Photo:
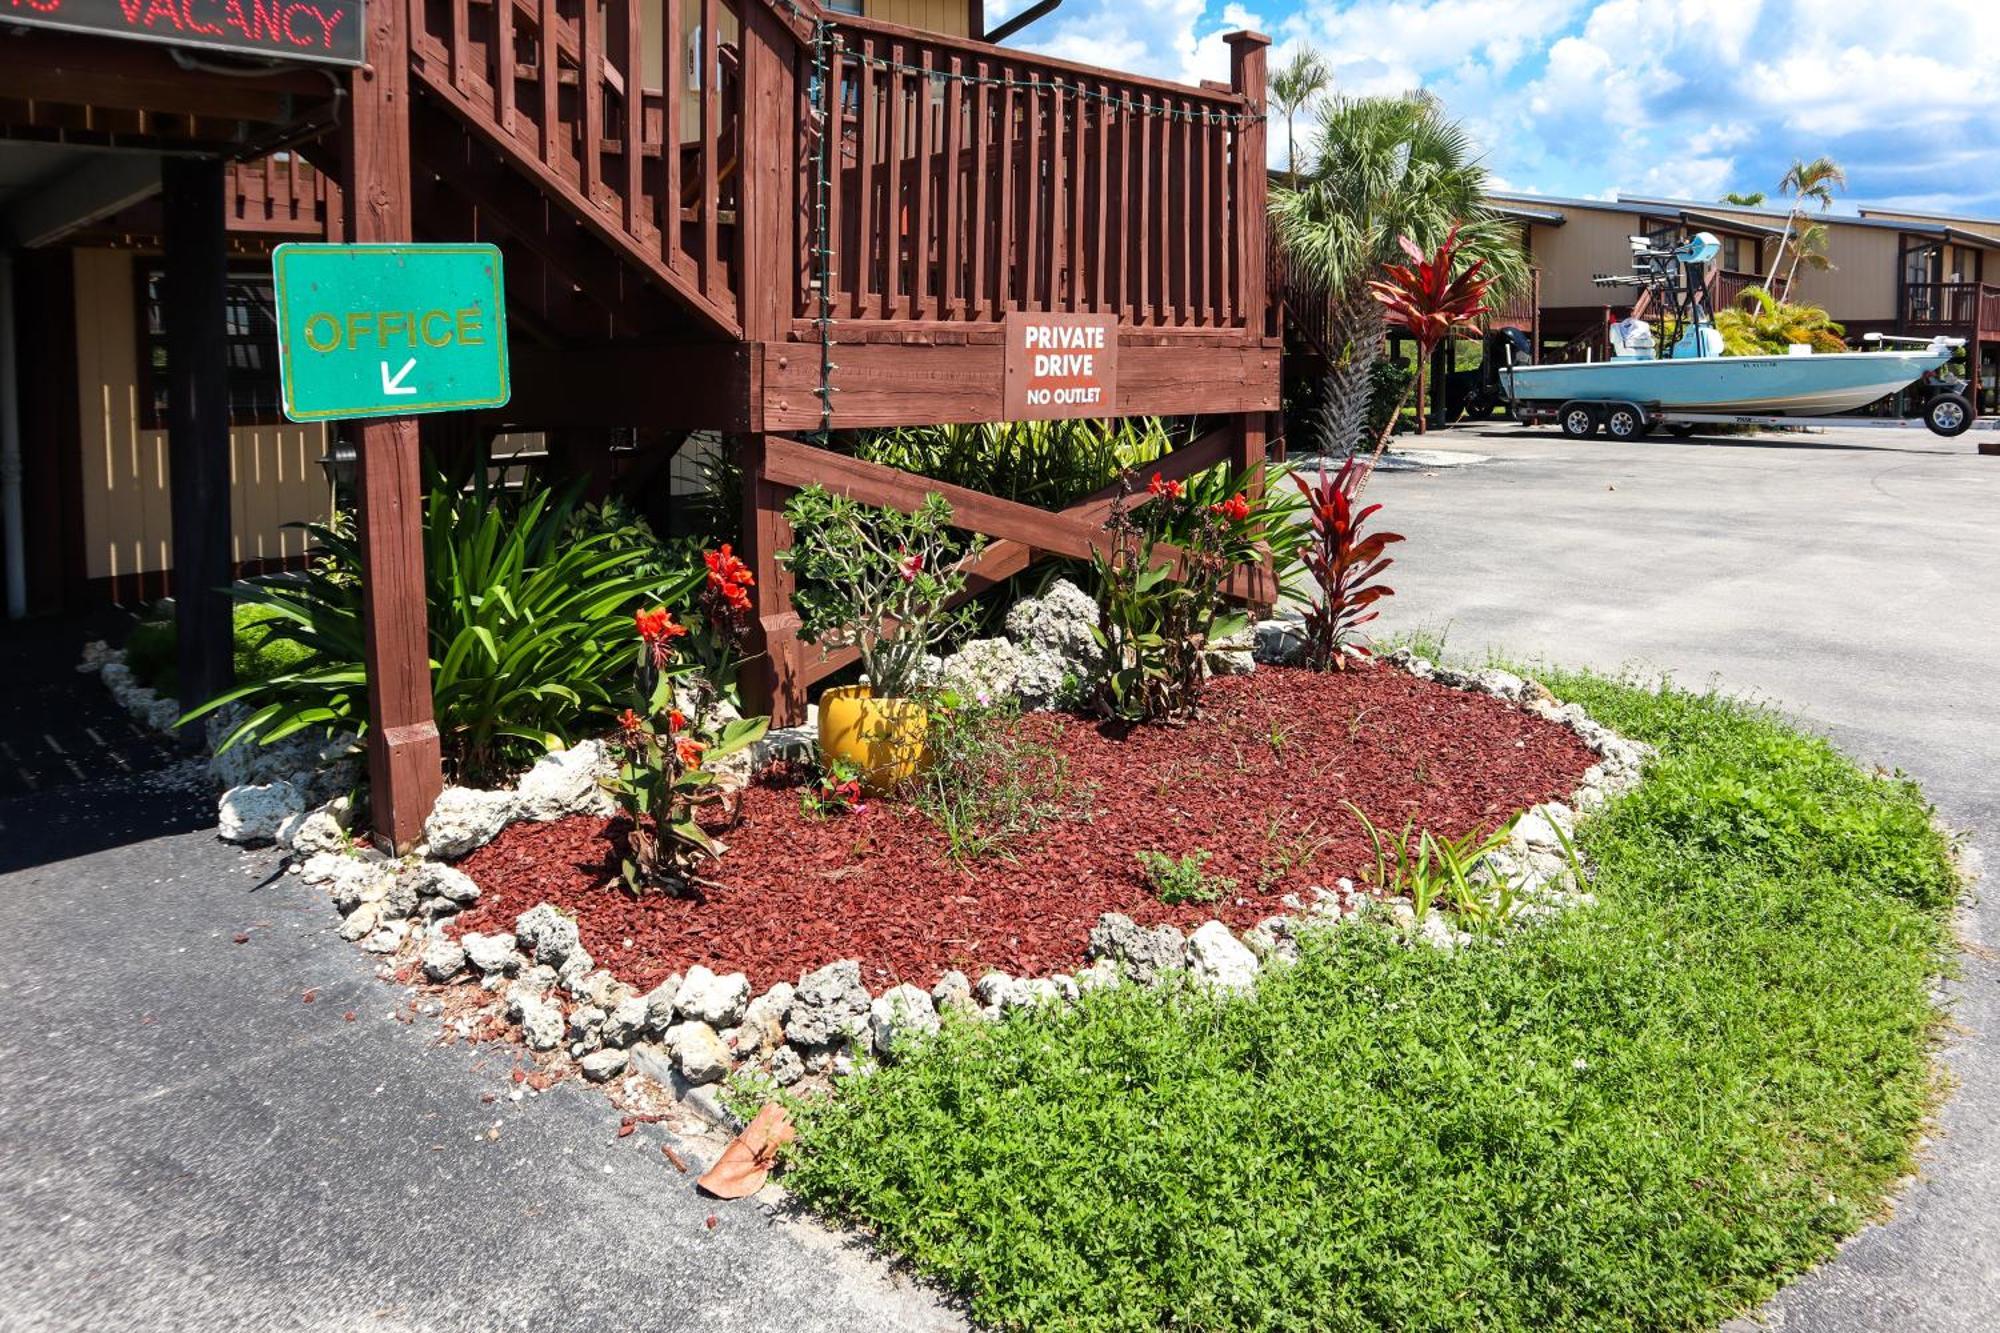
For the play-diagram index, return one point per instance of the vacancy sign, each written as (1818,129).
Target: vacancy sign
(322,31)
(389,330)
(1061,366)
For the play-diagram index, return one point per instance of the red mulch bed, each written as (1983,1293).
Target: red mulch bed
(801,892)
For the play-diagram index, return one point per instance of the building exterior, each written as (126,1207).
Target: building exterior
(1890,272)
(770,220)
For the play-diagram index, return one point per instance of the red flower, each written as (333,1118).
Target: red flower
(913,564)
(1236,508)
(689,751)
(630,727)
(675,719)
(728,577)
(657,630)
(1159,485)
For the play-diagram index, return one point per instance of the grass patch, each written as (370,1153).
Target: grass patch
(1644,1116)
(150,650)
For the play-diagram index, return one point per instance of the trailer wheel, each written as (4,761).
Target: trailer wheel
(1681,430)
(1579,420)
(1949,415)
(1624,422)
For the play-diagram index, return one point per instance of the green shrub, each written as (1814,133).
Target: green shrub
(1050,464)
(1642,1115)
(151,650)
(530,630)
(985,781)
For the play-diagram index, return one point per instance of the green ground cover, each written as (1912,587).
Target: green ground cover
(1644,1116)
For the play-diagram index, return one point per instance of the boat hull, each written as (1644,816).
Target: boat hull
(1773,385)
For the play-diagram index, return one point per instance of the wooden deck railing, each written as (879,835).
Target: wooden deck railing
(964,180)
(1951,307)
(970,180)
(282,195)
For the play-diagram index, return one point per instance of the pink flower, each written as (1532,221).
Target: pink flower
(912,565)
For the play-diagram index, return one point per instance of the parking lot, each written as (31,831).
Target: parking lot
(1846,577)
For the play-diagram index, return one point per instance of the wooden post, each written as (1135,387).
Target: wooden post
(195,296)
(405,769)
(1247,52)
(773,681)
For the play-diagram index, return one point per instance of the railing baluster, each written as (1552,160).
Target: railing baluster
(461,42)
(1059,241)
(590,89)
(1031,197)
(1124,203)
(892,290)
(979,296)
(1079,276)
(547,61)
(708,75)
(836,174)
(1144,212)
(673,88)
(950,285)
(1004,267)
(501,56)
(921,178)
(635,117)
(1224,230)
(1184,301)
(1103,195)
(867,229)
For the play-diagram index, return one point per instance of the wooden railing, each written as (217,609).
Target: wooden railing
(629,112)
(963,180)
(967,181)
(1726,287)
(281,195)
(1948,307)
(1522,310)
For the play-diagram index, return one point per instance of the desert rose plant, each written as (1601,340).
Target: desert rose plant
(878,579)
(1156,620)
(662,781)
(1344,563)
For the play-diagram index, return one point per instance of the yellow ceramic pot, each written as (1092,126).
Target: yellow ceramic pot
(882,738)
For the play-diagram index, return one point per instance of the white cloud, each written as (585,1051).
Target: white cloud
(1586,97)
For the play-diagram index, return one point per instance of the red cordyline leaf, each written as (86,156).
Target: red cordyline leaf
(1432,301)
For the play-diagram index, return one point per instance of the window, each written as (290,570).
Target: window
(249,348)
(1732,254)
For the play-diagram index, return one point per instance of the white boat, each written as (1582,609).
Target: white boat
(1629,394)
(1818,385)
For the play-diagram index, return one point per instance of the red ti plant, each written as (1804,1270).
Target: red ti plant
(1432,302)
(1343,562)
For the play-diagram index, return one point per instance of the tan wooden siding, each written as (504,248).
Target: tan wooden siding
(951,17)
(275,477)
(1592,241)
(1862,283)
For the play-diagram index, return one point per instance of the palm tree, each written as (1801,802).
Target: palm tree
(1745,198)
(1809,247)
(1291,88)
(1381,169)
(1816,179)
(1763,325)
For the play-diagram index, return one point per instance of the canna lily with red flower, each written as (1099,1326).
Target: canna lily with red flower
(1159,485)
(1236,508)
(657,630)
(729,579)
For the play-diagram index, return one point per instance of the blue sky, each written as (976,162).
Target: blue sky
(1591,97)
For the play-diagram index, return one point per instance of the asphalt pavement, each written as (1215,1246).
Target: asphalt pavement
(1850,578)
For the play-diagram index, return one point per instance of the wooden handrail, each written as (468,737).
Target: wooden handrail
(965,181)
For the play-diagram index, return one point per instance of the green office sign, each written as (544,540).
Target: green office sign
(389,330)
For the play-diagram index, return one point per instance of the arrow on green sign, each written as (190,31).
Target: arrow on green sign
(389,330)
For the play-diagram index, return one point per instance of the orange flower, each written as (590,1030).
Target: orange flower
(728,577)
(1159,485)
(689,751)
(675,719)
(1236,508)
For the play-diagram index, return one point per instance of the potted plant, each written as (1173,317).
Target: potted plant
(880,581)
